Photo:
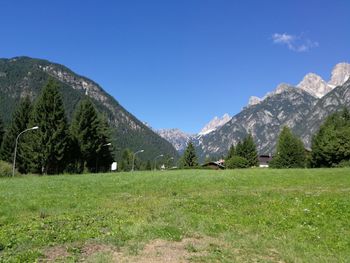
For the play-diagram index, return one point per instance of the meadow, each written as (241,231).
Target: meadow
(251,215)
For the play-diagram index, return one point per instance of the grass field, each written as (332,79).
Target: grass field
(253,215)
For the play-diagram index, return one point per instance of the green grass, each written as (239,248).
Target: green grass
(259,215)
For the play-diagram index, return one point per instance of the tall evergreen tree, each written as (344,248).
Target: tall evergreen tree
(104,151)
(92,135)
(290,151)
(231,152)
(1,130)
(126,161)
(19,123)
(46,147)
(189,158)
(247,150)
(331,145)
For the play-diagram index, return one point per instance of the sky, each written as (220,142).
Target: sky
(179,63)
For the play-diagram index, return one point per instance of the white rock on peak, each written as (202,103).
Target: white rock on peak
(314,85)
(215,124)
(340,74)
(253,100)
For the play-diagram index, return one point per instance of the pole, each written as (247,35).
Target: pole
(16,144)
(155,161)
(133,159)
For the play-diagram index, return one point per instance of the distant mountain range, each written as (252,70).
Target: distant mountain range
(180,139)
(303,108)
(24,76)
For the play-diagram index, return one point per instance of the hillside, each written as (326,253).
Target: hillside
(24,76)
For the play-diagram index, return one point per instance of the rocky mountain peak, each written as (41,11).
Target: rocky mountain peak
(340,74)
(314,85)
(215,124)
(253,100)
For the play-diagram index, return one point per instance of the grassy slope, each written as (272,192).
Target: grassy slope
(266,215)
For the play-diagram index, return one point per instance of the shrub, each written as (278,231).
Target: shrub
(6,169)
(236,162)
(345,163)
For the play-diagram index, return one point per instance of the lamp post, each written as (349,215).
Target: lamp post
(133,159)
(155,161)
(15,154)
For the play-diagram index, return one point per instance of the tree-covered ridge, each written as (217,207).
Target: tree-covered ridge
(23,76)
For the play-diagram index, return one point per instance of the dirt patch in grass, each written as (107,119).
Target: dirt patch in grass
(156,251)
(54,254)
(169,251)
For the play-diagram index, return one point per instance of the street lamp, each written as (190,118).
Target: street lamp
(14,156)
(133,159)
(155,161)
(97,159)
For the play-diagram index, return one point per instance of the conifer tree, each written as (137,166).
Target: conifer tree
(331,145)
(189,158)
(19,123)
(126,162)
(247,150)
(46,148)
(231,152)
(148,165)
(290,151)
(104,150)
(1,131)
(91,133)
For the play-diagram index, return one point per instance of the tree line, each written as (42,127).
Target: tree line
(57,146)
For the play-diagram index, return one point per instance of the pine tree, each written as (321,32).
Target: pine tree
(92,139)
(189,158)
(231,152)
(46,148)
(290,151)
(247,150)
(126,162)
(148,165)
(19,123)
(104,150)
(1,131)
(331,145)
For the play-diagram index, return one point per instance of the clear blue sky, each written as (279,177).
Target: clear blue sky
(178,63)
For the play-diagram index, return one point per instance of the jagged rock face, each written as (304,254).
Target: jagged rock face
(314,85)
(176,137)
(24,76)
(180,139)
(293,107)
(253,100)
(340,74)
(215,124)
(330,103)
(287,106)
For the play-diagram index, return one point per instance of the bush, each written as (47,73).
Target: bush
(6,169)
(236,162)
(345,163)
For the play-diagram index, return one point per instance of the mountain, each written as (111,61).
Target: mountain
(176,137)
(314,85)
(180,139)
(334,101)
(286,106)
(214,124)
(302,108)
(24,76)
